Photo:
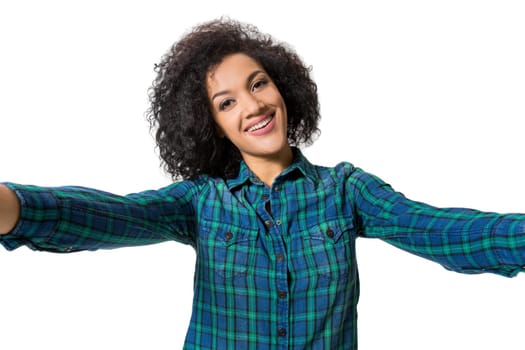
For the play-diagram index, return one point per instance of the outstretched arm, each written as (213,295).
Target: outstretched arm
(71,218)
(460,239)
(9,209)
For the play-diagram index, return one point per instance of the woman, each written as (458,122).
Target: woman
(274,235)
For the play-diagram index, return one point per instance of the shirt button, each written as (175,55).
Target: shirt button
(268,223)
(280,257)
(330,233)
(276,188)
(278,222)
(281,332)
(265,197)
(282,294)
(228,236)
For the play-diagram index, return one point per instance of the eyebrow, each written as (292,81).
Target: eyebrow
(250,77)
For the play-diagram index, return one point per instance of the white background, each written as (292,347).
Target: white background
(429,95)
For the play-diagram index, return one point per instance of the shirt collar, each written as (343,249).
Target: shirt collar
(300,163)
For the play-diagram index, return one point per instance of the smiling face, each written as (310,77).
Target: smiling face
(248,108)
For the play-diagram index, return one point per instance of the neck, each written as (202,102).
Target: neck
(268,168)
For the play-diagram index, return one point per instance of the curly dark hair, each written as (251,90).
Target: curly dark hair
(180,111)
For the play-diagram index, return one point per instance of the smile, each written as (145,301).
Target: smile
(262,124)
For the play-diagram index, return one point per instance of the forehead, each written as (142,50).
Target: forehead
(231,71)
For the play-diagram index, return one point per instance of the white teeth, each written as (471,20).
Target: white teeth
(261,124)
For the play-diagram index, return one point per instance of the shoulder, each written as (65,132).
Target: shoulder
(335,173)
(345,173)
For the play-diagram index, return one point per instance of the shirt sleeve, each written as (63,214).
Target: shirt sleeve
(460,239)
(69,219)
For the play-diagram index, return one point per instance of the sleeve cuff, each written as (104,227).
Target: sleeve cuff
(509,243)
(39,216)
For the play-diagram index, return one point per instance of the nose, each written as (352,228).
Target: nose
(251,105)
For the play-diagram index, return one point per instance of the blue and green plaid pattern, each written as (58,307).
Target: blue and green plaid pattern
(275,266)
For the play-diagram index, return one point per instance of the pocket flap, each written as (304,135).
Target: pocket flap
(328,231)
(227,234)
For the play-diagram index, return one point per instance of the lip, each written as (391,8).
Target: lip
(264,130)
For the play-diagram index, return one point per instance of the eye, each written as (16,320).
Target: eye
(259,84)
(225,104)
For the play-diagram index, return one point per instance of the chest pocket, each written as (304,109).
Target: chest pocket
(328,254)
(227,253)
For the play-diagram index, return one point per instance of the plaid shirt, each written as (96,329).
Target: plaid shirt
(275,266)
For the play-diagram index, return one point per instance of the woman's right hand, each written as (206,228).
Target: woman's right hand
(9,209)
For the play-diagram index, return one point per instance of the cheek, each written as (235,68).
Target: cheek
(225,126)
(279,101)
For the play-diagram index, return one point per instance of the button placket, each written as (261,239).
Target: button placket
(270,218)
